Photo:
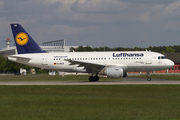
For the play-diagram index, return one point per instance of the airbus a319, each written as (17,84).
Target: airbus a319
(114,64)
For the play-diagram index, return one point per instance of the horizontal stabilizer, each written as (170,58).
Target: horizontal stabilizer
(19,57)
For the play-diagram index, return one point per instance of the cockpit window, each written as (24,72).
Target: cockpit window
(162,57)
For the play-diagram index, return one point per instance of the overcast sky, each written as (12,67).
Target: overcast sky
(118,23)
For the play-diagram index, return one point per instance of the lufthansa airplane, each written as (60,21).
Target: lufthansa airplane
(114,64)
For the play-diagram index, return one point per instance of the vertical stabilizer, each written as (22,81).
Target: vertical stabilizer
(24,42)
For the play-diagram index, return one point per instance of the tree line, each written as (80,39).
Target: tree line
(160,49)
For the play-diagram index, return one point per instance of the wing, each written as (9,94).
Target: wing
(87,65)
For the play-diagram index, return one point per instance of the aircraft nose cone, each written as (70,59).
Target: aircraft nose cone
(171,63)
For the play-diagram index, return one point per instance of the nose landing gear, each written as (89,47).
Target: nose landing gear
(148,76)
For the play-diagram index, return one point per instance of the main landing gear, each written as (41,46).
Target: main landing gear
(148,76)
(93,78)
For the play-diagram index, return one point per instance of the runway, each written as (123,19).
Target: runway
(124,81)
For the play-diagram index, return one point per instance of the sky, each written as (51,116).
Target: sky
(114,23)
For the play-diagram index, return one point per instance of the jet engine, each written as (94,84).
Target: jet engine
(113,72)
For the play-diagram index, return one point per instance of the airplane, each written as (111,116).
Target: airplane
(114,64)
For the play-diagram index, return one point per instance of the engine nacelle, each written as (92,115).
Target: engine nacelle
(113,72)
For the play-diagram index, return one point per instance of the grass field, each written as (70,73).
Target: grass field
(121,102)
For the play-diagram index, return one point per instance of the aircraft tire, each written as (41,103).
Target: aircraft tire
(91,79)
(96,78)
(148,79)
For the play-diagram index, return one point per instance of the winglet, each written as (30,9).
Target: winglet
(24,42)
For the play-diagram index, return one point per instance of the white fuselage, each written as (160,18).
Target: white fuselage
(129,60)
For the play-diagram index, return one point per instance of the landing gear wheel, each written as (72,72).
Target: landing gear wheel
(148,79)
(96,78)
(93,78)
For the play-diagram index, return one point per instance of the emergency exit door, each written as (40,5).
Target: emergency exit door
(148,57)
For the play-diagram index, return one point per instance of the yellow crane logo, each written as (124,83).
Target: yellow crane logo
(22,38)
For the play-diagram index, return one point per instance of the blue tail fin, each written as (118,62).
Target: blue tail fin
(24,42)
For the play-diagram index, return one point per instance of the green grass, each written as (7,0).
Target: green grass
(163,76)
(46,77)
(121,102)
